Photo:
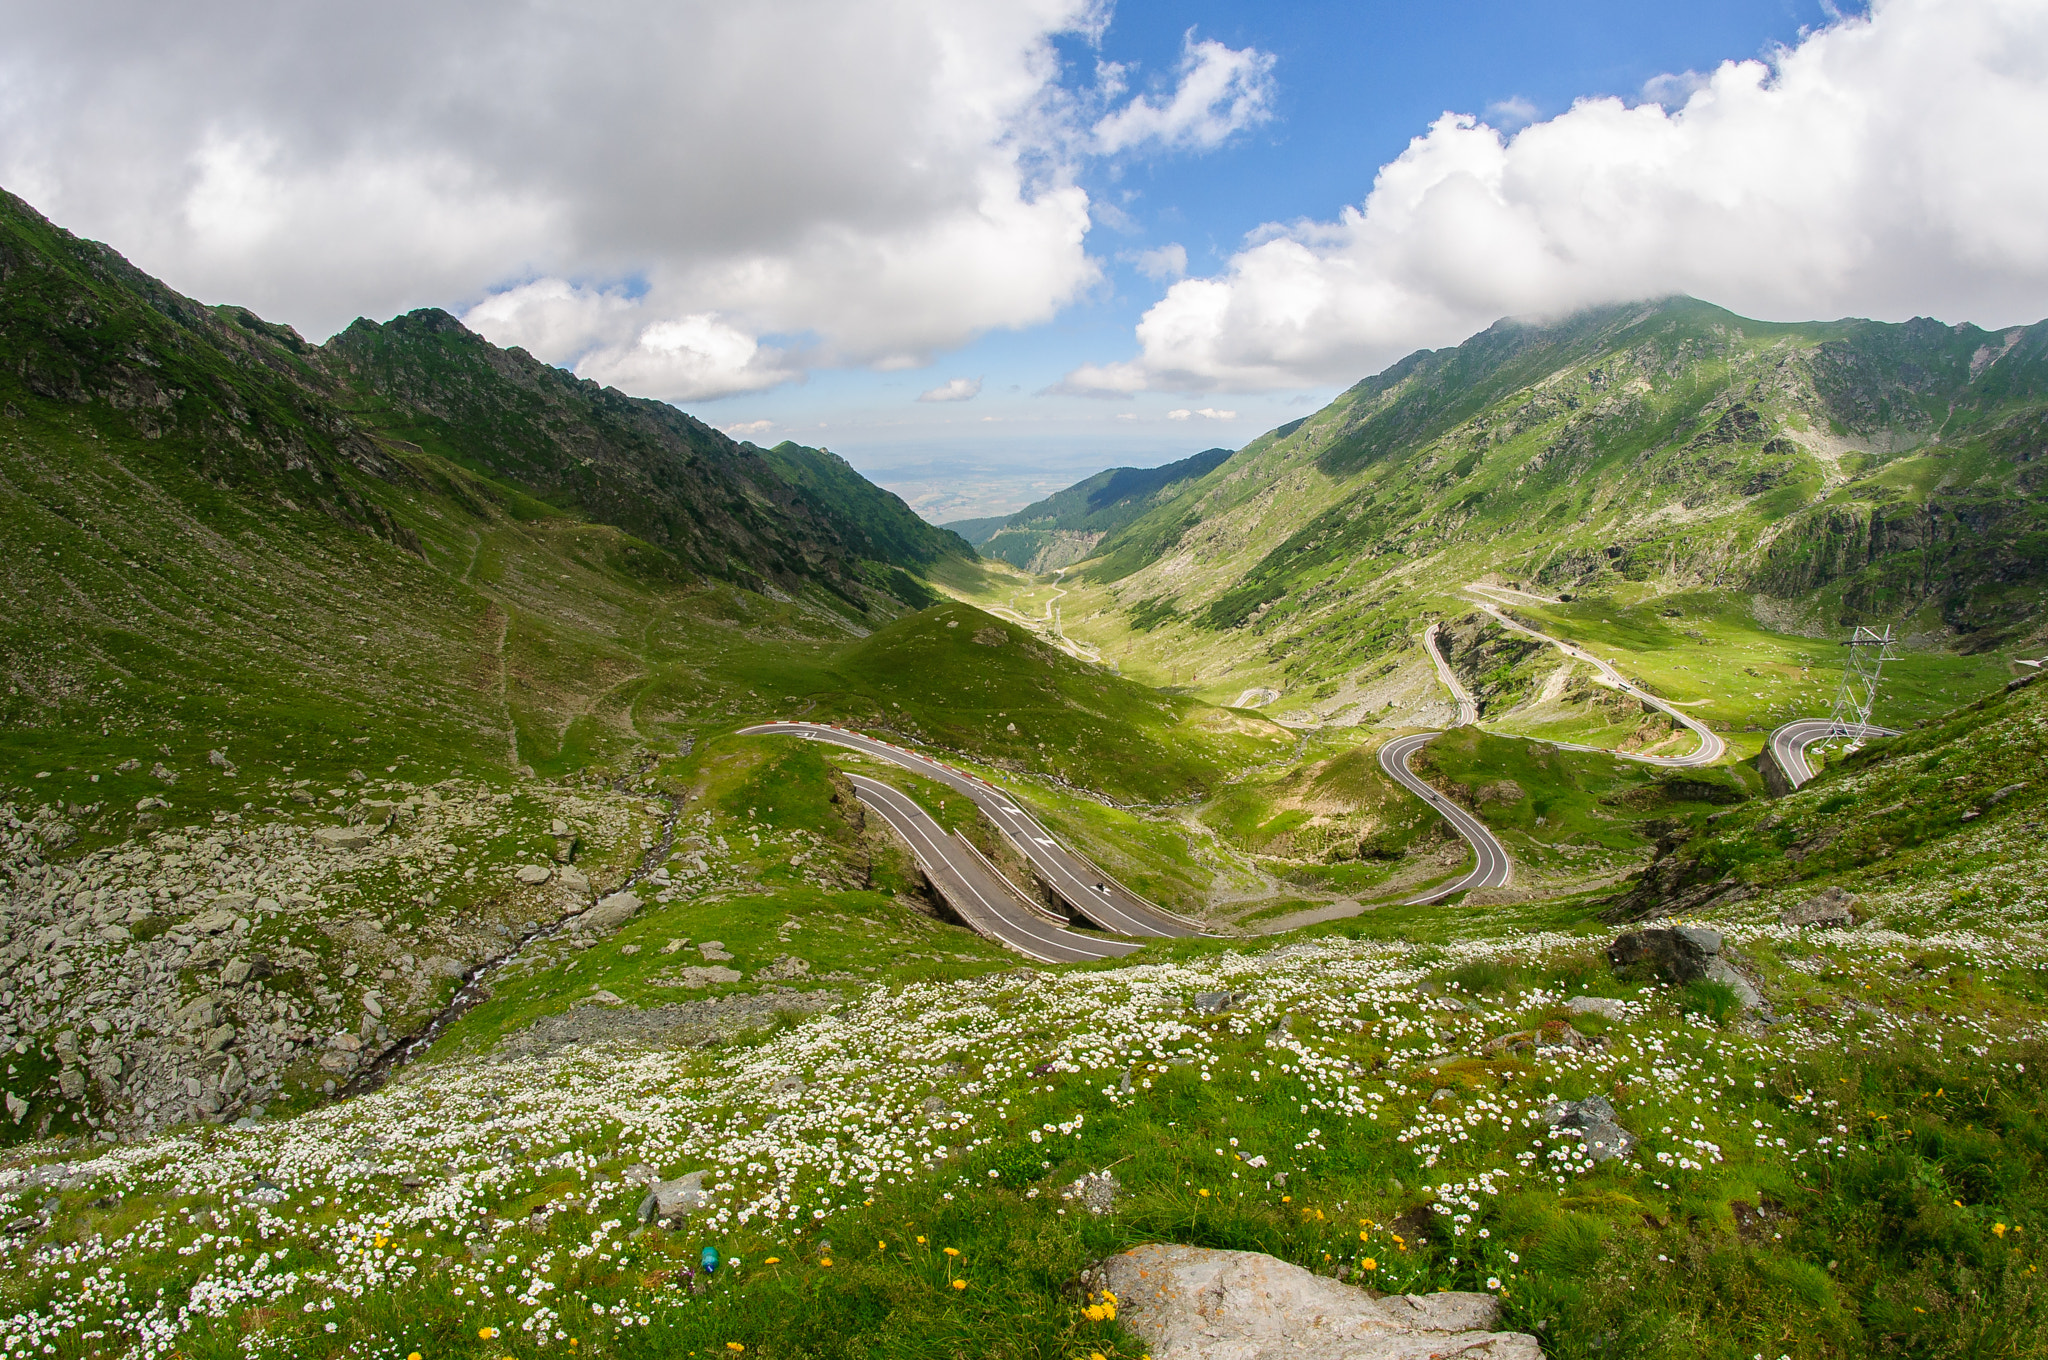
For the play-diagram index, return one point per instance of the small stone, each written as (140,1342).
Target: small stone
(1096,1192)
(1213,1003)
(714,951)
(629,950)
(1597,1005)
(534,873)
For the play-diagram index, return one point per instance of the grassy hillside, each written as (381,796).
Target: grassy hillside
(1863,1175)
(875,523)
(1064,526)
(1817,474)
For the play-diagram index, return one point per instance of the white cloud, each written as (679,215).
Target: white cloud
(747,429)
(1164,263)
(1513,112)
(1206,413)
(689,358)
(957,389)
(691,196)
(1885,166)
(1221,91)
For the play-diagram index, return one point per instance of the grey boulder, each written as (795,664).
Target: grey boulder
(610,912)
(1830,908)
(1195,1303)
(1593,1120)
(670,1202)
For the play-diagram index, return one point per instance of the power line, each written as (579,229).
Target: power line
(1857,696)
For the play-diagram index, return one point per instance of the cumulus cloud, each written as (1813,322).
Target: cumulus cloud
(1885,166)
(693,197)
(957,389)
(1221,91)
(1165,263)
(747,429)
(1206,413)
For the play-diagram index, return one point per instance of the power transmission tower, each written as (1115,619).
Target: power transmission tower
(1857,696)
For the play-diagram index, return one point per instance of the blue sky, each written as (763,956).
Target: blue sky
(1111,233)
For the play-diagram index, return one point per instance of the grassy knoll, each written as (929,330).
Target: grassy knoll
(1572,813)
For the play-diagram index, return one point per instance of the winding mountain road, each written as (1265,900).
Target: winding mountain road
(973,888)
(1711,747)
(1468,706)
(1092,894)
(1491,866)
(1789,743)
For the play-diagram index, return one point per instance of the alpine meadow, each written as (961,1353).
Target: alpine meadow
(1537,854)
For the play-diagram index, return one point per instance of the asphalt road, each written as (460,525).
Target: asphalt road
(973,888)
(1711,747)
(1092,894)
(1491,866)
(1789,743)
(1468,707)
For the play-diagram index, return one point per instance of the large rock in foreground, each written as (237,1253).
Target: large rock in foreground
(1192,1303)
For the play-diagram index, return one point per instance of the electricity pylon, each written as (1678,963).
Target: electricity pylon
(1857,696)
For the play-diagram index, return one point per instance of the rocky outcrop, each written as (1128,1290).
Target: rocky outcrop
(1674,884)
(1194,1303)
(1679,956)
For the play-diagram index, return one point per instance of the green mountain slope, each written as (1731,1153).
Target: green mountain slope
(720,507)
(224,538)
(1827,473)
(1062,528)
(874,523)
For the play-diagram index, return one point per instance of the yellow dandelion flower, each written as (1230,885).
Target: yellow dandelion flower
(952,1251)
(1998,1228)
(487,1333)
(1203,1193)
(959,1284)
(1110,1295)
(920,1241)
(773,1261)
(1369,1264)
(824,1260)
(734,1346)
(881,1246)
(414,1356)
(1287,1199)
(1365,1237)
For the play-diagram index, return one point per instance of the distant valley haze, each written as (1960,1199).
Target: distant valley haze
(985,250)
